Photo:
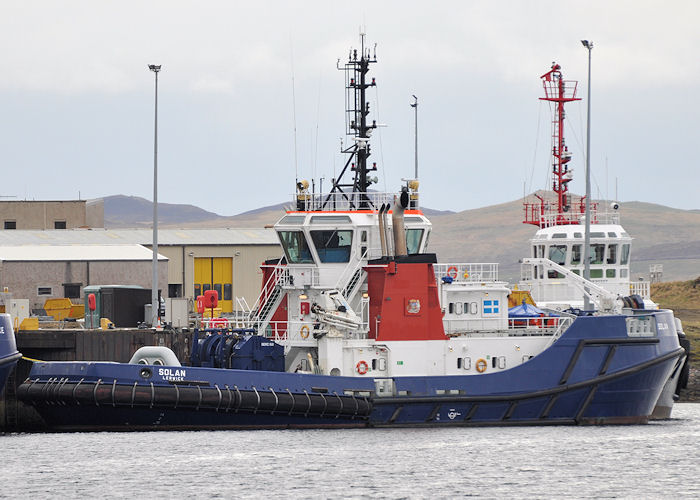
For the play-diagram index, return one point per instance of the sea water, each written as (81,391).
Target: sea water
(657,460)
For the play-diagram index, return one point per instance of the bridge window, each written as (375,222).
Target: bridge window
(295,247)
(596,273)
(575,254)
(625,256)
(332,245)
(413,237)
(557,254)
(609,273)
(597,253)
(612,254)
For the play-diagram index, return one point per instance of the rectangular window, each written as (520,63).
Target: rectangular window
(612,254)
(71,290)
(197,290)
(609,273)
(597,253)
(623,273)
(557,254)
(228,291)
(491,306)
(413,237)
(44,290)
(625,257)
(59,224)
(575,254)
(217,287)
(332,245)
(10,224)
(596,273)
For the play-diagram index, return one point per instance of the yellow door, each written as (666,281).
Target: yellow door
(222,281)
(215,273)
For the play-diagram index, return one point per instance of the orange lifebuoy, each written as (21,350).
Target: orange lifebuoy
(481,365)
(362,367)
(452,272)
(304,332)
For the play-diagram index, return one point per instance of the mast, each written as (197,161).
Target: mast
(358,127)
(558,91)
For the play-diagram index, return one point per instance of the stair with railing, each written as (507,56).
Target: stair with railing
(268,301)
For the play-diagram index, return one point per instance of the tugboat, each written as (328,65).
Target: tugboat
(358,326)
(8,350)
(553,274)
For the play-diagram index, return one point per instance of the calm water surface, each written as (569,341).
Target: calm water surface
(658,460)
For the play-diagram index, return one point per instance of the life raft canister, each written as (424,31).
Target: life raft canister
(481,365)
(362,367)
(452,272)
(304,332)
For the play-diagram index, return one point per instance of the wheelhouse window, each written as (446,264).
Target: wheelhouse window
(332,245)
(597,253)
(625,256)
(557,254)
(413,238)
(295,247)
(575,254)
(612,254)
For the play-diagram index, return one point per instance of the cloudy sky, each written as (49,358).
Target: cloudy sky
(76,97)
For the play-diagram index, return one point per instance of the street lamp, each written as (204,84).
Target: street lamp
(415,106)
(155,303)
(587,234)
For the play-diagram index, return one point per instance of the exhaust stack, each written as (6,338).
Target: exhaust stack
(400,203)
(382,233)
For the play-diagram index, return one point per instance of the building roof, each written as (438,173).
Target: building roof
(166,237)
(24,253)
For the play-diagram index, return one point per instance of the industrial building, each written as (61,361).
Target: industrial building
(193,260)
(40,272)
(67,214)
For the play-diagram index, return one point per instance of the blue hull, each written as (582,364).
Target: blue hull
(594,374)
(8,350)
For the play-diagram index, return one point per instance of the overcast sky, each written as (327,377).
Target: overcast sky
(76,97)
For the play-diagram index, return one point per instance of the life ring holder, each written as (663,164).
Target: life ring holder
(362,367)
(452,272)
(481,365)
(304,332)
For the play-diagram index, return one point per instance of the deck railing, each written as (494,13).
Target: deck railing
(475,272)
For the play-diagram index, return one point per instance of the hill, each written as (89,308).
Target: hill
(662,235)
(684,298)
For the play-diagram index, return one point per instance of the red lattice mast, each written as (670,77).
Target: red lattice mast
(542,214)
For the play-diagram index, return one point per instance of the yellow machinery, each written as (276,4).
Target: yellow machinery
(60,309)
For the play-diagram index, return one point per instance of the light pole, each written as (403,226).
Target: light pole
(415,107)
(155,303)
(587,234)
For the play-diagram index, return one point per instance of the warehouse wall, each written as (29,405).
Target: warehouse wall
(25,278)
(44,214)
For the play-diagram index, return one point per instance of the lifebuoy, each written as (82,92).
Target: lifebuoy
(481,365)
(452,272)
(304,332)
(362,367)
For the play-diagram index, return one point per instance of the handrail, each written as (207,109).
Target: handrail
(605,300)
(349,272)
(474,272)
(340,201)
